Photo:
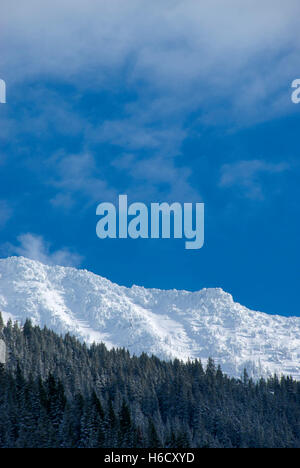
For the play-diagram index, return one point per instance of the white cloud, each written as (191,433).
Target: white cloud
(184,50)
(36,248)
(226,61)
(247,175)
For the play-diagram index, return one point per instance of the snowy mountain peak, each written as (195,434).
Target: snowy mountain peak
(167,323)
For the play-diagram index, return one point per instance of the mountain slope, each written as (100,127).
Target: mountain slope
(166,323)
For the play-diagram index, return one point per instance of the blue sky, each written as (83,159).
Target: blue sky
(164,101)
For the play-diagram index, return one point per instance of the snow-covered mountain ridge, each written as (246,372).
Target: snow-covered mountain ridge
(168,324)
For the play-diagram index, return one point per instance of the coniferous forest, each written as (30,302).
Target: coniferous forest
(57,392)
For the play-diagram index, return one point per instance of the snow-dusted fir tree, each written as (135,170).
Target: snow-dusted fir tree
(2,344)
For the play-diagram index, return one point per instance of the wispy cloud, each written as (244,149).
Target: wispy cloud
(78,174)
(156,177)
(170,61)
(5,212)
(35,247)
(181,52)
(247,175)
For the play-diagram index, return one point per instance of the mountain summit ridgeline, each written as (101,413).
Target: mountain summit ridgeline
(167,323)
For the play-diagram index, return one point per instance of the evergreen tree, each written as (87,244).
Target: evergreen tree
(56,392)
(1,323)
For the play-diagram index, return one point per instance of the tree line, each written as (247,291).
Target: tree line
(57,392)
